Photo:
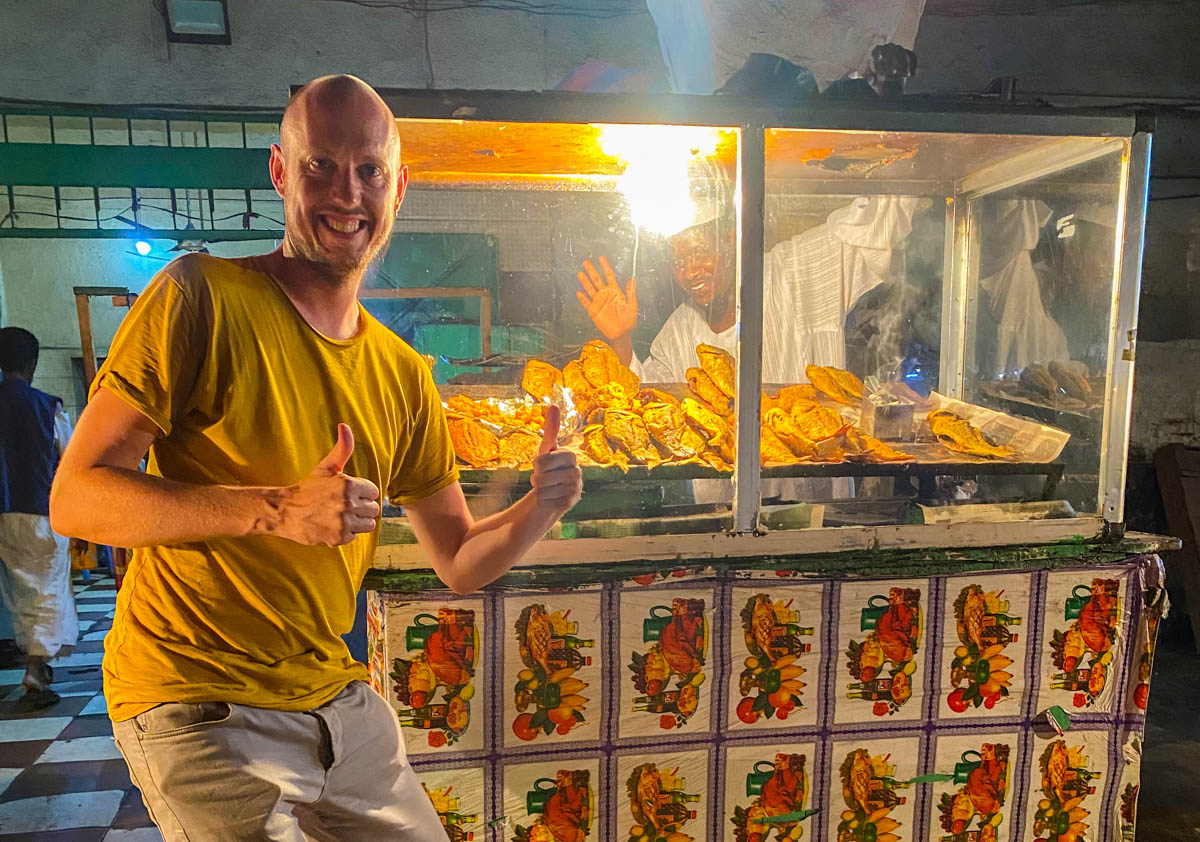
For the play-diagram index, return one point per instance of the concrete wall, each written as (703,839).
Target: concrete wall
(38,276)
(116,51)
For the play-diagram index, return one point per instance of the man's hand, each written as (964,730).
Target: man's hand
(557,481)
(614,311)
(327,507)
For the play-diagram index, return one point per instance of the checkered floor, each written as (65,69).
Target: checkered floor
(61,776)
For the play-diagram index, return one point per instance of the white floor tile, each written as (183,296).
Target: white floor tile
(7,776)
(96,635)
(96,705)
(44,728)
(60,812)
(82,749)
(141,834)
(11,676)
(78,659)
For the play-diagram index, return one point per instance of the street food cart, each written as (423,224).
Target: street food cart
(850,566)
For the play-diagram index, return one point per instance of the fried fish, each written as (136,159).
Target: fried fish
(629,433)
(539,379)
(601,365)
(598,448)
(782,425)
(719,365)
(817,422)
(820,377)
(865,448)
(960,435)
(773,450)
(707,391)
(669,427)
(473,443)
(518,448)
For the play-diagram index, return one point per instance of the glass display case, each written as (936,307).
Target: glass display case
(867,324)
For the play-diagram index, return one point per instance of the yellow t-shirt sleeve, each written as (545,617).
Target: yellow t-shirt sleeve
(427,466)
(155,357)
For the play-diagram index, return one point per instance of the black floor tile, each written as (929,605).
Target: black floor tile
(132,813)
(94,725)
(23,752)
(75,834)
(68,706)
(42,779)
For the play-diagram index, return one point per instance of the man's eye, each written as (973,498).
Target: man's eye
(370,171)
(321,164)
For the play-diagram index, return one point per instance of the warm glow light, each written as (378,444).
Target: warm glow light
(656,181)
(143,247)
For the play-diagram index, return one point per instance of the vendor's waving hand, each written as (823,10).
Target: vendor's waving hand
(614,311)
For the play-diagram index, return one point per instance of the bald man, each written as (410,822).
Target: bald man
(276,411)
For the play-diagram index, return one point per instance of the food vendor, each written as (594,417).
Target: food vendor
(810,282)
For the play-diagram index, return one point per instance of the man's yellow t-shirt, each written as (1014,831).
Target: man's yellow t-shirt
(246,392)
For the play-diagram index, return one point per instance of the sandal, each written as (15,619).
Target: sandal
(33,700)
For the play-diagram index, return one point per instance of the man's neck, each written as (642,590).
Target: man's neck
(722,322)
(329,305)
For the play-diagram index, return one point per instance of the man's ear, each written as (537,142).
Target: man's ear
(276,168)
(401,187)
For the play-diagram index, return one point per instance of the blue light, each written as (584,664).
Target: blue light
(143,247)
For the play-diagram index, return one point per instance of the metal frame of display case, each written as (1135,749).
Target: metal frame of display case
(961,259)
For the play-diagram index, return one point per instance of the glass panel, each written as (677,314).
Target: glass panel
(896,327)
(1047,249)
(512,268)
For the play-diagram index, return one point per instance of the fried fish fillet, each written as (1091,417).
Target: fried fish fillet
(651,395)
(817,422)
(518,448)
(719,365)
(539,379)
(1075,385)
(598,448)
(668,425)
(850,384)
(629,432)
(713,425)
(865,448)
(707,391)
(601,365)
(773,450)
(582,393)
(800,393)
(611,396)
(1036,378)
(473,443)
(960,435)
(782,425)
(820,377)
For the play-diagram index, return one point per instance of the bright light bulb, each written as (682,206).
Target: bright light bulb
(656,181)
(143,247)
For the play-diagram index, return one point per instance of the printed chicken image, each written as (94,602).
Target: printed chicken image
(452,648)
(568,812)
(567,815)
(473,443)
(784,793)
(705,389)
(1083,650)
(719,366)
(882,665)
(684,640)
(539,379)
(669,427)
(961,436)
(980,798)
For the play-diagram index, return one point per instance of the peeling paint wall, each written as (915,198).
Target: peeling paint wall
(116,51)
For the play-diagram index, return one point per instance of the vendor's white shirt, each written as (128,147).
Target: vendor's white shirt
(810,284)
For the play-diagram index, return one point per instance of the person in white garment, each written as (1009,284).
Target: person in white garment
(810,284)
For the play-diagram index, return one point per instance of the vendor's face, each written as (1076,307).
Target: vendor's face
(339,173)
(699,268)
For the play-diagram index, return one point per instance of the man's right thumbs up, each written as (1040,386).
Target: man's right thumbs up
(327,506)
(335,461)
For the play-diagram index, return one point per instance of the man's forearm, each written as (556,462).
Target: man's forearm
(126,508)
(495,543)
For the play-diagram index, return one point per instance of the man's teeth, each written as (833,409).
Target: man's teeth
(344,227)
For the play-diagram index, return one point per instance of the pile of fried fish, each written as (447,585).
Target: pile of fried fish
(621,422)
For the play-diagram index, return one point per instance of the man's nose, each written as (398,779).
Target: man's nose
(345,187)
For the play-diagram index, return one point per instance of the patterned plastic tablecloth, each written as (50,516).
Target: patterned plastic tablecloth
(753,707)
